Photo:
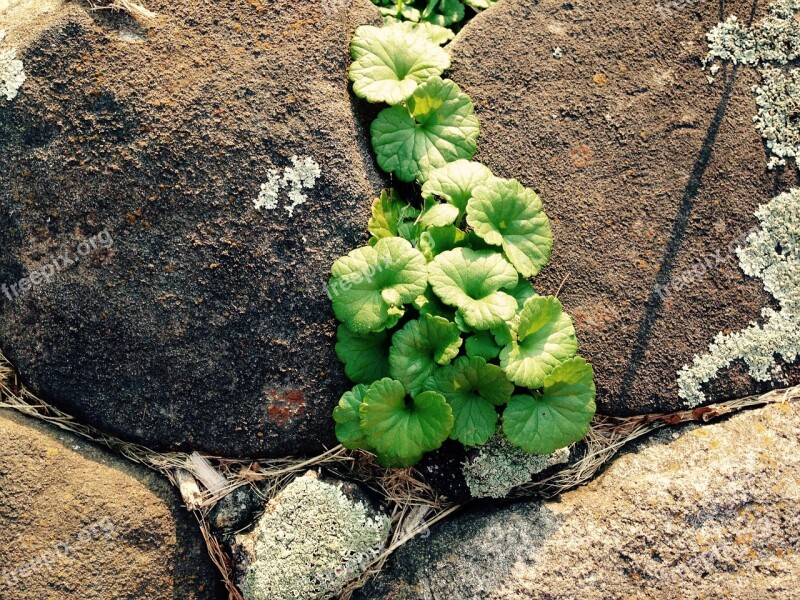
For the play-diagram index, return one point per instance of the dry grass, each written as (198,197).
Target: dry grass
(141,14)
(413,504)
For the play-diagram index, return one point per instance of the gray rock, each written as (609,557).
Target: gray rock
(77,521)
(704,512)
(195,321)
(650,174)
(235,510)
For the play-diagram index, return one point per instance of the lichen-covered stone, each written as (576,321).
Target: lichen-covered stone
(773,255)
(701,512)
(650,176)
(311,541)
(206,325)
(497,467)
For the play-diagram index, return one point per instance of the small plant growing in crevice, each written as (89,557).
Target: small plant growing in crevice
(441,328)
(441,13)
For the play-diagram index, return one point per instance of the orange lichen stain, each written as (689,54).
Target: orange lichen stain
(580,156)
(256,4)
(283,407)
(600,79)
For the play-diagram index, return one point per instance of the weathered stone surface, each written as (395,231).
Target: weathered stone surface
(645,168)
(313,538)
(78,522)
(205,324)
(703,512)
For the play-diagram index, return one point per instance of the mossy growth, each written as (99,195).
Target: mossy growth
(499,467)
(311,541)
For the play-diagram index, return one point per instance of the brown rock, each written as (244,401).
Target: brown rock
(78,522)
(206,324)
(646,170)
(703,512)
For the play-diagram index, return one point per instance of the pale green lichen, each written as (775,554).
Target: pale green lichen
(774,39)
(12,73)
(311,541)
(773,255)
(771,43)
(302,175)
(499,467)
(778,100)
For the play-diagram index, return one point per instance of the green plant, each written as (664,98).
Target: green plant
(441,330)
(443,13)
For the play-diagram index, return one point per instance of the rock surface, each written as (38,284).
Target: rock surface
(703,512)
(78,522)
(203,323)
(650,175)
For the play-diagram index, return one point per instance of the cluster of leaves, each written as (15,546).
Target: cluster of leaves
(441,329)
(442,13)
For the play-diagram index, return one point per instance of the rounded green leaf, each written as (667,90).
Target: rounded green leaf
(456,181)
(522,291)
(559,416)
(429,304)
(480,4)
(370,285)
(543,338)
(471,281)
(440,239)
(438,215)
(348,419)
(390,62)
(419,347)
(504,213)
(438,127)
(401,431)
(482,344)
(473,389)
(435,33)
(391,217)
(444,12)
(365,355)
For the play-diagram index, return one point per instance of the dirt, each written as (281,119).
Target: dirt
(644,168)
(205,324)
(79,522)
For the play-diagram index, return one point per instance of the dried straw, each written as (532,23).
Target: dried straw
(141,14)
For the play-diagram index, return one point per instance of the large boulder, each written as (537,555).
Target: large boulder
(145,294)
(79,522)
(650,174)
(704,512)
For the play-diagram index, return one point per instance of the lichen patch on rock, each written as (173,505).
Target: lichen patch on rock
(499,467)
(311,541)
(12,72)
(771,254)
